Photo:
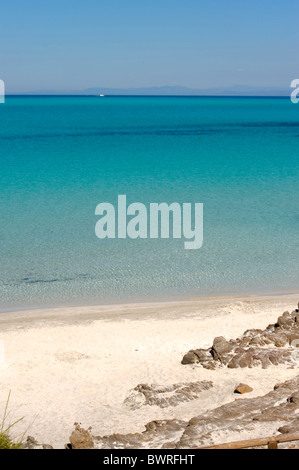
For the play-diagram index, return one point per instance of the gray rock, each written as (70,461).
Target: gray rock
(160,434)
(291,428)
(220,348)
(165,396)
(190,358)
(31,443)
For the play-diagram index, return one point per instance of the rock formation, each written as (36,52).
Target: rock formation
(272,346)
(279,409)
(164,396)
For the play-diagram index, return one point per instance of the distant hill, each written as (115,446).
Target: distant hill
(237,90)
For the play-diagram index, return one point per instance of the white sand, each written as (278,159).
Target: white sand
(79,363)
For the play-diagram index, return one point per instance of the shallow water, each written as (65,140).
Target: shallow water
(61,156)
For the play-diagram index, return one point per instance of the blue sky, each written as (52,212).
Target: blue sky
(72,45)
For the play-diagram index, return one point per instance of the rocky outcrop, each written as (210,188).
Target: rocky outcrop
(157,435)
(272,346)
(276,409)
(164,396)
(247,415)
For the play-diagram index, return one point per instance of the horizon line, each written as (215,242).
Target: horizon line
(30,94)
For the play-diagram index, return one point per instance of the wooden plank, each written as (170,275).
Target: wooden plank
(272,445)
(255,442)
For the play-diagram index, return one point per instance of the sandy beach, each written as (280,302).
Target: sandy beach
(79,364)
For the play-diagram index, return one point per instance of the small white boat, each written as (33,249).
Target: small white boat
(102,95)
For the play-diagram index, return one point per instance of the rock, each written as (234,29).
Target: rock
(255,348)
(236,418)
(285,321)
(253,332)
(241,416)
(294,340)
(220,348)
(81,439)
(159,434)
(243,388)
(31,443)
(202,356)
(294,399)
(190,358)
(242,359)
(291,428)
(165,396)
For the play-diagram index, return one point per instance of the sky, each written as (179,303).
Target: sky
(76,44)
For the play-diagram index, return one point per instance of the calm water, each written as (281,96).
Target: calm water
(61,156)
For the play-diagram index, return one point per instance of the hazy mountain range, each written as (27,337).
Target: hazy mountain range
(237,90)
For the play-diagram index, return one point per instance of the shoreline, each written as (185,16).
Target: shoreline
(145,302)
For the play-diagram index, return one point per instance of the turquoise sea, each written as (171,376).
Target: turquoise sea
(61,156)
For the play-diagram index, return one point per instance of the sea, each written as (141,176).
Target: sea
(61,156)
